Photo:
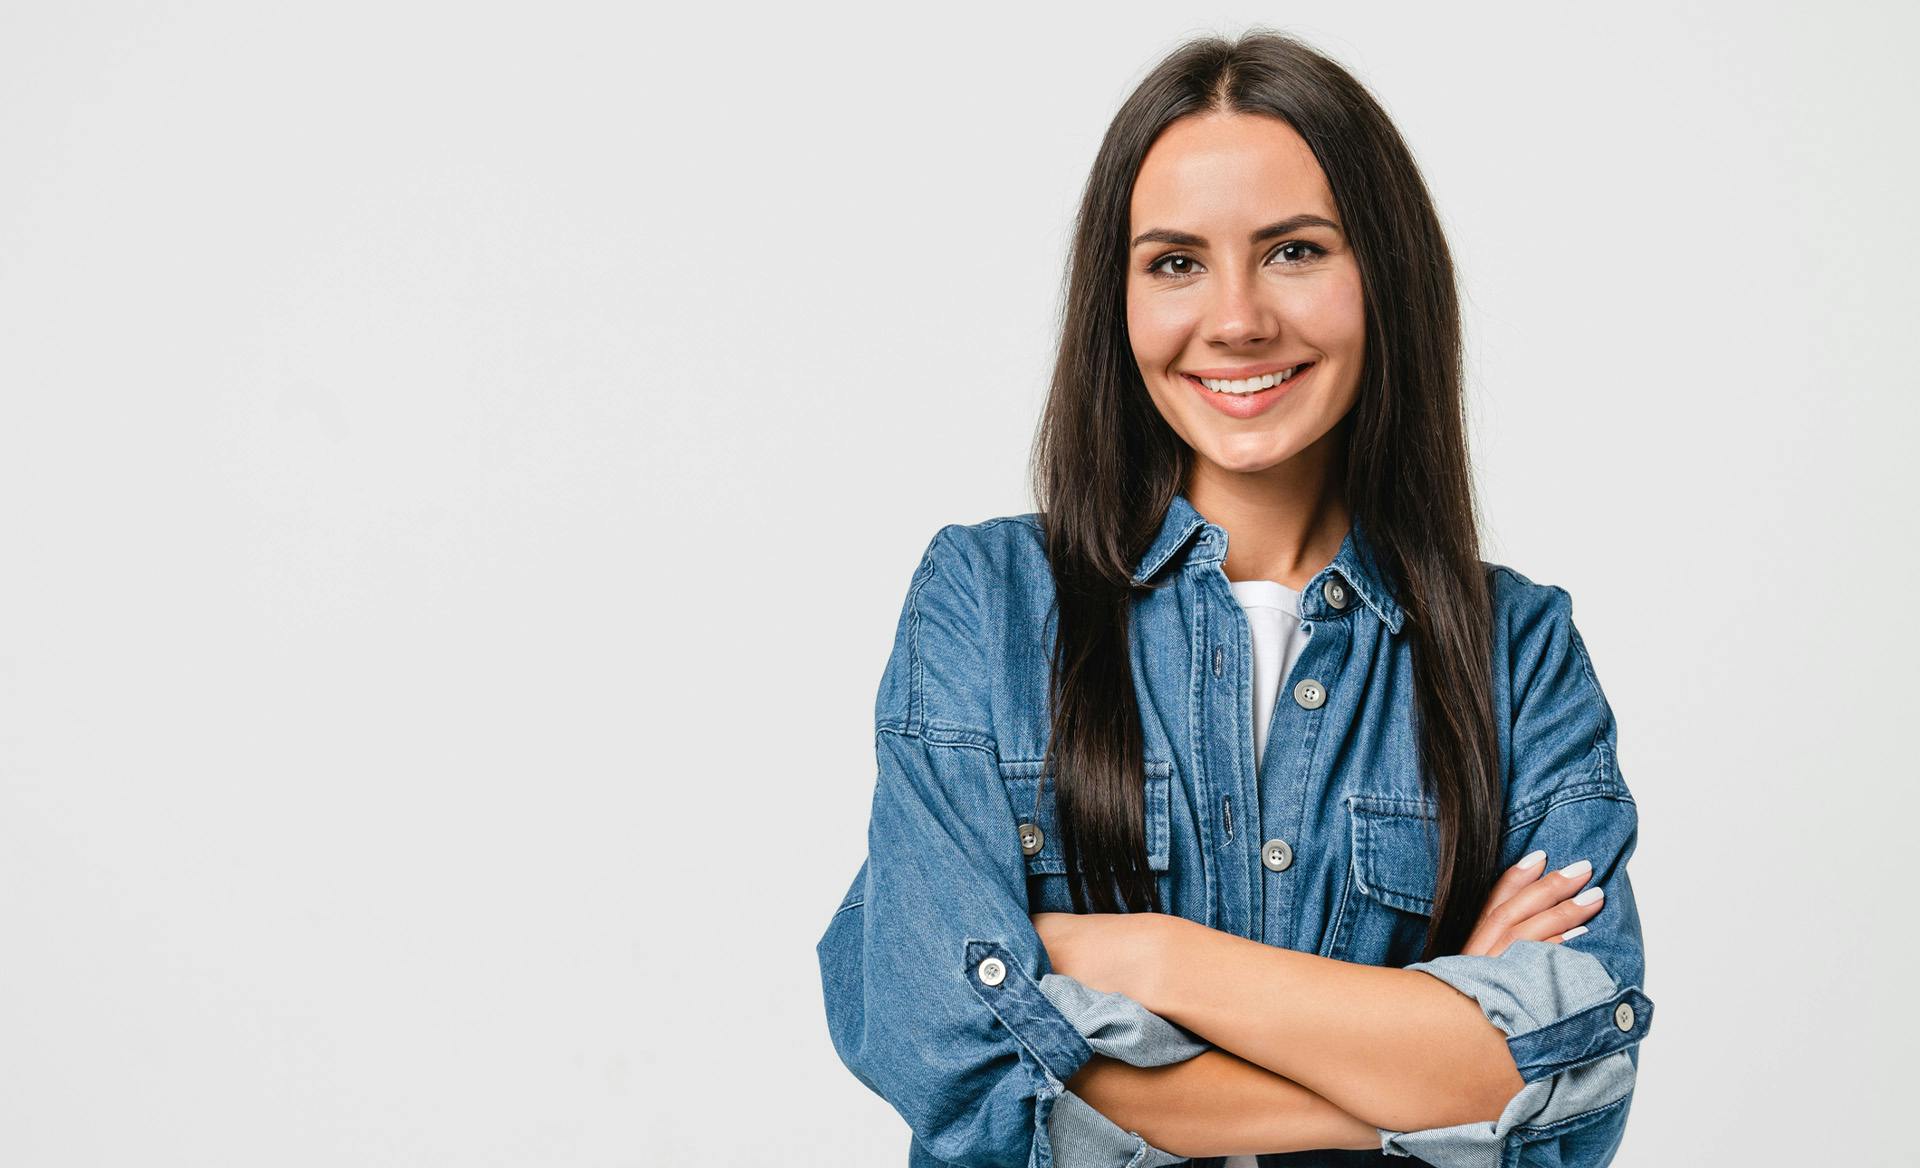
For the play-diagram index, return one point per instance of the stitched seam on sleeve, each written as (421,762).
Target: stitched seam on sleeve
(1563,1126)
(1595,1020)
(1538,808)
(916,679)
(1023,985)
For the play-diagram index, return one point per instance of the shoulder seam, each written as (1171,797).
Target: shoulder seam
(915,685)
(958,737)
(918,723)
(1602,781)
(1580,647)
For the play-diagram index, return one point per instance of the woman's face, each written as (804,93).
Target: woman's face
(1238,267)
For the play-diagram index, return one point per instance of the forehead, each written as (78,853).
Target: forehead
(1228,169)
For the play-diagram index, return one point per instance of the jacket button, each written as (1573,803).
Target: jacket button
(1032,839)
(1336,592)
(1276,854)
(992,971)
(1623,1015)
(1310,693)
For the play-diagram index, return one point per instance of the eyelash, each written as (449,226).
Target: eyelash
(1153,269)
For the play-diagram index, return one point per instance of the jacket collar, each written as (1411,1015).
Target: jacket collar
(1185,530)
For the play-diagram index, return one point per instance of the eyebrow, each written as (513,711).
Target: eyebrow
(1187,239)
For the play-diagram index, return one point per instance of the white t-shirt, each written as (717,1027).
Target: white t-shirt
(1273,614)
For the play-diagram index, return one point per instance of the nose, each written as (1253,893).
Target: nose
(1239,316)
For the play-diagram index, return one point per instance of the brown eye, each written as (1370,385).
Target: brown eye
(1155,268)
(1314,252)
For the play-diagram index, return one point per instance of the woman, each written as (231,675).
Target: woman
(1218,802)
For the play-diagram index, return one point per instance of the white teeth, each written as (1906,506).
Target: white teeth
(1250,384)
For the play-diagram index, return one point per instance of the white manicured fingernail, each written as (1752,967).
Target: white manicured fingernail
(1590,895)
(1577,868)
(1531,859)
(1570,934)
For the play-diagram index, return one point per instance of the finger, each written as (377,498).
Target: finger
(1489,936)
(1514,879)
(1559,923)
(1551,889)
(1485,942)
(1561,917)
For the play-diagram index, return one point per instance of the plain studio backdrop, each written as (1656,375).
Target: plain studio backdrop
(460,467)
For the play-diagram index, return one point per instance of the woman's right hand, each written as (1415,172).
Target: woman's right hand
(1531,903)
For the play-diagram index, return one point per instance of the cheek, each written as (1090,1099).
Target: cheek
(1340,317)
(1157,330)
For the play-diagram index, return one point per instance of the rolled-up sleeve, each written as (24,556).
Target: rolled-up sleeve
(1117,1027)
(930,966)
(1573,1011)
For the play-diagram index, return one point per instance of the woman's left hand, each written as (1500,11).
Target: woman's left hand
(1111,952)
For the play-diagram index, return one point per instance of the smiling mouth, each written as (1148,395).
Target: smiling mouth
(1250,385)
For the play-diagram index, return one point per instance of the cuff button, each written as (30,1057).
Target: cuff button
(993,971)
(1623,1015)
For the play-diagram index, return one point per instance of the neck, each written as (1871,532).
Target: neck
(1284,523)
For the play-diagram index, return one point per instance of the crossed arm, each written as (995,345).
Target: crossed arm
(1217,1104)
(1359,1047)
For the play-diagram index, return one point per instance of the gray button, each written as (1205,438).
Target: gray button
(1623,1015)
(1310,693)
(1032,839)
(1277,854)
(993,971)
(1336,592)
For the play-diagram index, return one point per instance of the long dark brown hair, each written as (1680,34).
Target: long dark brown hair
(1106,467)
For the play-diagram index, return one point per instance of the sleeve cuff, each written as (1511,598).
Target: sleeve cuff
(1081,1137)
(1118,1026)
(1558,1006)
(1572,1031)
(1028,1014)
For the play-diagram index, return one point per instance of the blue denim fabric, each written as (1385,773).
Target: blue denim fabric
(1121,1028)
(933,974)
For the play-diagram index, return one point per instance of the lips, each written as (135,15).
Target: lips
(1243,372)
(1250,405)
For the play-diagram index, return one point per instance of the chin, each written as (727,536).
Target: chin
(1248,458)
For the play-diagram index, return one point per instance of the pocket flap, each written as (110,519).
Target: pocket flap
(1023,779)
(1395,850)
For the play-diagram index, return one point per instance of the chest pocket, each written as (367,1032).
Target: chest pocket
(1388,898)
(1034,831)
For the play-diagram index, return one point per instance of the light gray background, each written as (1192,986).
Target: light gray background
(460,466)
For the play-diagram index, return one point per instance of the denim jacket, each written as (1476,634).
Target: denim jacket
(938,993)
